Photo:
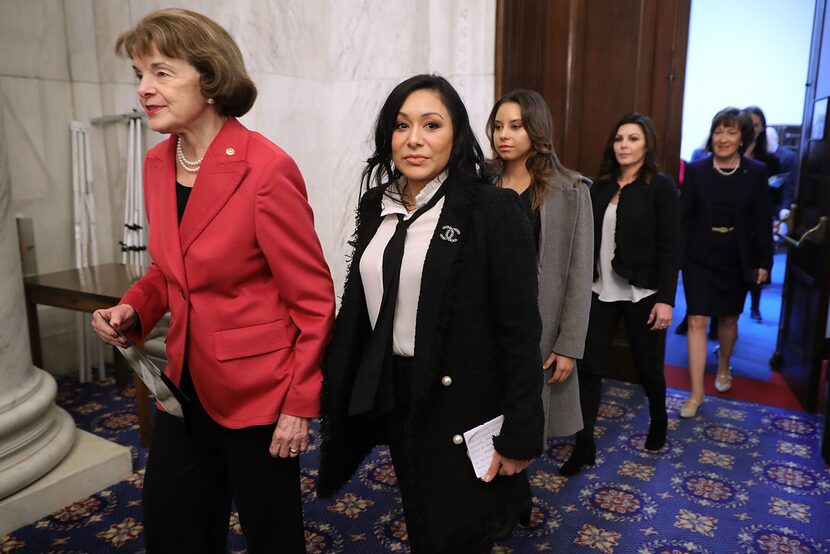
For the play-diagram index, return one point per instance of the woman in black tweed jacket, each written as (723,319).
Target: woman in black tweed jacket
(476,345)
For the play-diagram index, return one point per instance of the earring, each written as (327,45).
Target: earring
(211,101)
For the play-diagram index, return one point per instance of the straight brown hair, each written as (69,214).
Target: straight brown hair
(542,164)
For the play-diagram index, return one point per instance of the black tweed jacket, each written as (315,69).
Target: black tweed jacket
(647,233)
(478,323)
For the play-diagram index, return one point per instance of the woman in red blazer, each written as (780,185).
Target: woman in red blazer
(237,263)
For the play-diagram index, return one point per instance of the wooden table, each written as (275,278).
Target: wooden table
(87,290)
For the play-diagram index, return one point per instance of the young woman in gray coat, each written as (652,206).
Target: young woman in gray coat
(558,203)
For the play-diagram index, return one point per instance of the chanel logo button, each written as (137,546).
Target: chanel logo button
(450,234)
(230,151)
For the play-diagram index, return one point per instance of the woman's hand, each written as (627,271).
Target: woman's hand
(763,275)
(290,436)
(121,317)
(564,367)
(660,316)
(504,466)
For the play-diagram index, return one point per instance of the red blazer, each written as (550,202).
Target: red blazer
(243,277)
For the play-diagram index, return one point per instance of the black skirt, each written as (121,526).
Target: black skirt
(716,287)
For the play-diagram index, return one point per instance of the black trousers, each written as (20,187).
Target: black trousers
(409,487)
(646,350)
(197,467)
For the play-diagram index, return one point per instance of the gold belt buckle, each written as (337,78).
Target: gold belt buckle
(723,229)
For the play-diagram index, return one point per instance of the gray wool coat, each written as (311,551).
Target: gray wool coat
(566,246)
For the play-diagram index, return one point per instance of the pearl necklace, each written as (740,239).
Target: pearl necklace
(187,165)
(724,172)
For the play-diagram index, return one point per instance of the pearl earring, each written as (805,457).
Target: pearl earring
(211,101)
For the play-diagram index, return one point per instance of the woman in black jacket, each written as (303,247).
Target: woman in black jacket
(453,343)
(727,243)
(758,150)
(636,234)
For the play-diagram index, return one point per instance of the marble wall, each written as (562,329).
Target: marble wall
(323,67)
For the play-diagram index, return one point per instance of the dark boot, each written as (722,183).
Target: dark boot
(755,309)
(584,453)
(656,438)
(505,529)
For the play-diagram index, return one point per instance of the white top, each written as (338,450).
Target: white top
(609,285)
(416,244)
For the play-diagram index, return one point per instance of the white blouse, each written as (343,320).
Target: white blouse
(610,286)
(416,244)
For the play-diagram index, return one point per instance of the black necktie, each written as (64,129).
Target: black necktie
(373,386)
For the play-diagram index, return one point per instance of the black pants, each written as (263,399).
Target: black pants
(646,350)
(196,468)
(409,487)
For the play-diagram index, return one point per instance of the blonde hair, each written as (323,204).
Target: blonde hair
(203,43)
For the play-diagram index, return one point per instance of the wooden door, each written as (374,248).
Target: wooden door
(802,333)
(594,61)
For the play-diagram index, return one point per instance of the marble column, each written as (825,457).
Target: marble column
(35,435)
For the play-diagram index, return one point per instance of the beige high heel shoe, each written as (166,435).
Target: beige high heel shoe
(723,382)
(689,408)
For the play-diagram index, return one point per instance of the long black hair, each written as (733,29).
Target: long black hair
(610,168)
(466,163)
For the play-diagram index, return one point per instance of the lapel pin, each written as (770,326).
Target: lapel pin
(230,151)
(450,234)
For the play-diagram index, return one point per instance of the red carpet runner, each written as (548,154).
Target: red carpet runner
(772,393)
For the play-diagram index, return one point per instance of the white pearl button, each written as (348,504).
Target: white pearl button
(446,380)
(230,151)
(457,439)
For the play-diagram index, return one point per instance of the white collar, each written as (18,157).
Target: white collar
(395,206)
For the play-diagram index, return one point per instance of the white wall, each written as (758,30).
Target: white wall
(743,53)
(323,67)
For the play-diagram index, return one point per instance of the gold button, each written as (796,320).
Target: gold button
(446,380)
(230,151)
(457,439)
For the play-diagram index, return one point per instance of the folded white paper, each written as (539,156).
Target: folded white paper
(480,444)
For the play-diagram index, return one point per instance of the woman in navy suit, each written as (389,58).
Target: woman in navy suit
(439,328)
(727,243)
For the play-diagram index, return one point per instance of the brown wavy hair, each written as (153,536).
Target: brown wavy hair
(205,45)
(733,117)
(543,164)
(609,170)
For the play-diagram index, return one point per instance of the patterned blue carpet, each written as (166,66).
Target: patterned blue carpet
(738,478)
